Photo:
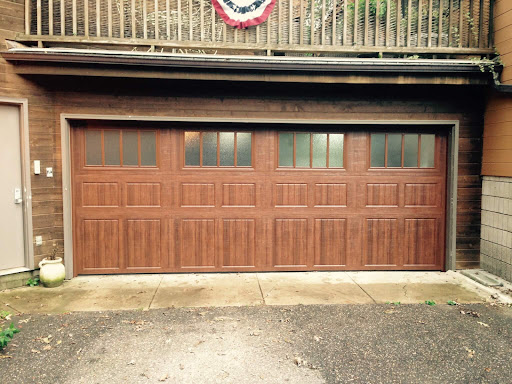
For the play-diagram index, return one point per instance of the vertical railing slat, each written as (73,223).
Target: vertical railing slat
(109,18)
(28,6)
(356,20)
(366,22)
(168,18)
(430,24)
(290,23)
(62,17)
(213,25)
(334,22)
(323,22)
(279,17)
(269,30)
(98,19)
(377,19)
(451,9)
(312,22)
(121,18)
(201,15)
(179,20)
(75,21)
(490,27)
(38,15)
(420,22)
(398,23)
(388,22)
(461,9)
(134,21)
(409,23)
(157,20)
(481,25)
(86,18)
(301,23)
(345,29)
(190,21)
(440,33)
(50,17)
(145,18)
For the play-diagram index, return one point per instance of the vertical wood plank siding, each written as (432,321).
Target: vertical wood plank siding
(497,150)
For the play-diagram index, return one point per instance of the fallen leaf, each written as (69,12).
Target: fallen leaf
(5,357)
(47,347)
(35,351)
(59,342)
(389,311)
(132,362)
(485,325)
(488,369)
(164,377)
(471,352)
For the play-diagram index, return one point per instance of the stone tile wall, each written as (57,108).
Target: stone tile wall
(496,234)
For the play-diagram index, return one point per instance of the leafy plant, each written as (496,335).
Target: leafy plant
(6,335)
(430,302)
(451,302)
(33,281)
(4,314)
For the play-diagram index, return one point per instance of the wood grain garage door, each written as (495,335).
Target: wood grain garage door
(250,198)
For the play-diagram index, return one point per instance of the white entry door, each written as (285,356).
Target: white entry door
(12,254)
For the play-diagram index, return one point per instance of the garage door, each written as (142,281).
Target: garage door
(257,198)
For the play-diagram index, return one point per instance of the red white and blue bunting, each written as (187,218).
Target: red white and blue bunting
(244,13)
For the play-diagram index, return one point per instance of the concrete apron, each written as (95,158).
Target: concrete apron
(123,292)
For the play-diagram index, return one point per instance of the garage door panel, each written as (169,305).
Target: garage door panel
(101,244)
(143,194)
(143,243)
(197,195)
(422,195)
(291,195)
(421,241)
(238,242)
(330,239)
(290,242)
(382,242)
(382,195)
(239,195)
(197,241)
(331,195)
(100,194)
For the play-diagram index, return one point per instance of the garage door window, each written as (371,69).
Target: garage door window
(402,150)
(310,150)
(126,148)
(218,149)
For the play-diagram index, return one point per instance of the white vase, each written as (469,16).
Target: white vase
(52,272)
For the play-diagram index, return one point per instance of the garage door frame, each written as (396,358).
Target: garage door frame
(452,164)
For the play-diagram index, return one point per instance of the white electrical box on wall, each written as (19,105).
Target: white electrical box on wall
(49,172)
(37,167)
(39,240)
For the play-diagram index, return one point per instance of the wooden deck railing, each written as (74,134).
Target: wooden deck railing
(303,26)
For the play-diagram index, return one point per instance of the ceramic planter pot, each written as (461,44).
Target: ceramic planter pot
(52,272)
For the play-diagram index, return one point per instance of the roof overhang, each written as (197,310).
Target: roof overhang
(113,63)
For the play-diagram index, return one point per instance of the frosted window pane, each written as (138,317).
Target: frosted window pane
(286,149)
(111,143)
(93,147)
(210,148)
(130,148)
(319,150)
(227,148)
(148,148)
(336,150)
(243,149)
(192,148)
(303,143)
(394,150)
(410,150)
(378,142)
(428,145)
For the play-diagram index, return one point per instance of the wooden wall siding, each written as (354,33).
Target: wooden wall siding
(46,192)
(338,26)
(497,147)
(422,103)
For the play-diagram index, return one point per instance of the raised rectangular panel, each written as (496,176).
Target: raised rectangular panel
(330,242)
(420,242)
(239,195)
(197,242)
(291,195)
(198,194)
(421,195)
(238,242)
(143,243)
(382,195)
(331,195)
(100,195)
(381,242)
(290,245)
(143,194)
(101,244)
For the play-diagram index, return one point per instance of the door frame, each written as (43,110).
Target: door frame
(22,105)
(451,177)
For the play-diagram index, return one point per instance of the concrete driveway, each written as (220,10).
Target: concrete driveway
(124,292)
